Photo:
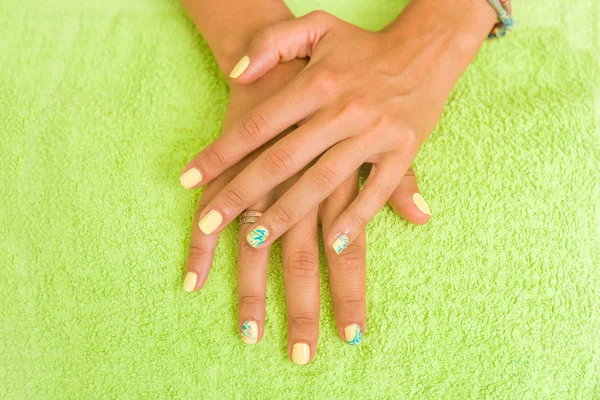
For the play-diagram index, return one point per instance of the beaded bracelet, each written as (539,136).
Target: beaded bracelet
(505,21)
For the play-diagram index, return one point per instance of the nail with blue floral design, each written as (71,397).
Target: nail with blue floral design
(353,335)
(257,236)
(249,332)
(340,243)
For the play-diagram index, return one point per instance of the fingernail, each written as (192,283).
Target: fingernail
(300,353)
(189,283)
(421,204)
(190,178)
(249,332)
(257,236)
(210,222)
(340,243)
(240,67)
(353,335)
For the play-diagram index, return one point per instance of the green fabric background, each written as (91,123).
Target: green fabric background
(103,102)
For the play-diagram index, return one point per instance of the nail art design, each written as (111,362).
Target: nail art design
(257,236)
(340,243)
(249,332)
(353,335)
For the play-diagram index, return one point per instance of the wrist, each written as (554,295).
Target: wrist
(227,26)
(458,26)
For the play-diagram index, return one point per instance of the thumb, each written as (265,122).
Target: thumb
(281,42)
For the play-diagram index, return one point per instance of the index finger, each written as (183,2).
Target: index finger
(255,128)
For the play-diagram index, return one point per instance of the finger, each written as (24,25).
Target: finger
(262,123)
(381,183)
(281,42)
(407,201)
(275,165)
(347,272)
(333,168)
(300,249)
(252,287)
(202,247)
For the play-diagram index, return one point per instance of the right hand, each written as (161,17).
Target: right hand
(299,246)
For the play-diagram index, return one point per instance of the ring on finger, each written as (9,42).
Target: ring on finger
(249,216)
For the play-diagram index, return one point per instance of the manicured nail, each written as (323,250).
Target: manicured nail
(353,335)
(340,243)
(421,204)
(240,67)
(300,353)
(249,332)
(257,236)
(190,178)
(189,283)
(210,222)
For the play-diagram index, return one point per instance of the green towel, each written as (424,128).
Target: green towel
(103,102)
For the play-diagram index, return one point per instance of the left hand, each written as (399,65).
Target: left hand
(300,247)
(363,97)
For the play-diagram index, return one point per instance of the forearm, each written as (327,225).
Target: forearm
(228,25)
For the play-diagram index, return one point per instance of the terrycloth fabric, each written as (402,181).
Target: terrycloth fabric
(103,102)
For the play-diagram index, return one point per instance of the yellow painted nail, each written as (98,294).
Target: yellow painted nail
(189,283)
(300,353)
(210,222)
(240,67)
(190,178)
(421,204)
(340,243)
(353,335)
(249,332)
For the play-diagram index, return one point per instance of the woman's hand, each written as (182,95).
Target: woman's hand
(299,247)
(363,97)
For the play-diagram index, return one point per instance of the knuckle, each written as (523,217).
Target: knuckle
(197,253)
(384,123)
(265,37)
(251,301)
(352,302)
(318,14)
(327,82)
(233,197)
(252,255)
(215,158)
(408,140)
(283,214)
(358,221)
(277,160)
(303,264)
(352,259)
(381,194)
(356,105)
(322,177)
(303,319)
(251,129)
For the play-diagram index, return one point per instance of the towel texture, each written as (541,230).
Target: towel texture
(103,102)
